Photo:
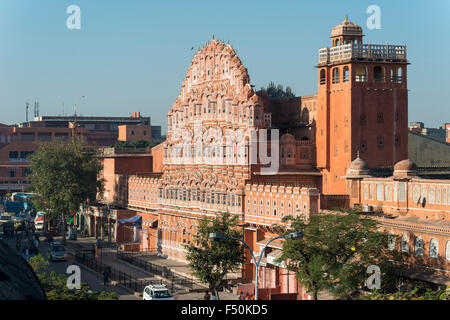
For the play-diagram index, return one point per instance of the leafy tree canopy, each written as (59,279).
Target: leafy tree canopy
(134,144)
(414,294)
(64,175)
(336,251)
(55,285)
(212,260)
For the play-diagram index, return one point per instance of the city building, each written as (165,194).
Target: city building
(101,131)
(17,144)
(230,148)
(20,141)
(441,134)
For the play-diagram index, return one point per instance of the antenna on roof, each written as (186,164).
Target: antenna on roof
(27,106)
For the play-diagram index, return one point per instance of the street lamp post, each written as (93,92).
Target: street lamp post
(294,235)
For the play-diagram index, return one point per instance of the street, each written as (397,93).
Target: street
(94,280)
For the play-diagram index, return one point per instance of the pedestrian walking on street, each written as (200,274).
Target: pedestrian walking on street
(18,244)
(105,278)
(207,296)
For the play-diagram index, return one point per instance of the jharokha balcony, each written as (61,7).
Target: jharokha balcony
(362,52)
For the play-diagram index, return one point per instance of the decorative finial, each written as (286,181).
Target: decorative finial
(346,17)
(357,154)
(213,36)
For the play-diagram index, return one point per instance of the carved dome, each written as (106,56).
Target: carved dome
(287,138)
(405,168)
(346,28)
(358,167)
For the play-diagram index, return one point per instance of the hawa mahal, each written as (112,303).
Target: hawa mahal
(231,148)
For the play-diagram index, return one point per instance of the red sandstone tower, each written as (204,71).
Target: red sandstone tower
(362,105)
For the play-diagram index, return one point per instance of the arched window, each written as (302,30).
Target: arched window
(447,251)
(404,245)
(345,74)
(322,76)
(391,240)
(336,75)
(418,246)
(361,73)
(378,74)
(396,75)
(434,248)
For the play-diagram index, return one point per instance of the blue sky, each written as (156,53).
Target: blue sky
(132,55)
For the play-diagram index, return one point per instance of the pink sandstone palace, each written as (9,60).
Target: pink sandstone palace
(345,146)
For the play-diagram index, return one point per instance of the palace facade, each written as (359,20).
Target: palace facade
(231,148)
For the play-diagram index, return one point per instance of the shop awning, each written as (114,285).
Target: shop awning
(150,222)
(136,220)
(273,256)
(432,277)
(274,244)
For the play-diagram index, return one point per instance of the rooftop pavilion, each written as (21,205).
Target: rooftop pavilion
(347,45)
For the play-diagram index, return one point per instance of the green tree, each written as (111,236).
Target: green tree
(55,285)
(64,175)
(212,260)
(414,294)
(134,144)
(336,251)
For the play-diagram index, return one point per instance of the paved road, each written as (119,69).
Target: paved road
(94,280)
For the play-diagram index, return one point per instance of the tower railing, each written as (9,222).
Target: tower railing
(356,51)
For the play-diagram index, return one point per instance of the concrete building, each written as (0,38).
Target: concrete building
(17,144)
(101,131)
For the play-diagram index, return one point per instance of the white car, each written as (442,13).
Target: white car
(39,221)
(156,292)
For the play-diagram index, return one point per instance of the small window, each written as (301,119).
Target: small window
(363,119)
(434,248)
(345,75)
(447,251)
(380,118)
(418,247)
(322,76)
(396,75)
(336,75)
(378,74)
(404,246)
(397,140)
(391,241)
(361,73)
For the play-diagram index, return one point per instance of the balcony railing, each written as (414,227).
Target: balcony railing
(361,52)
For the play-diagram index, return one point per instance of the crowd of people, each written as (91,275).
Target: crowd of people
(28,241)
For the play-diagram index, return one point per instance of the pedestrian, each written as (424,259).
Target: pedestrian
(25,253)
(207,296)
(214,296)
(18,244)
(241,295)
(252,297)
(246,296)
(105,278)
